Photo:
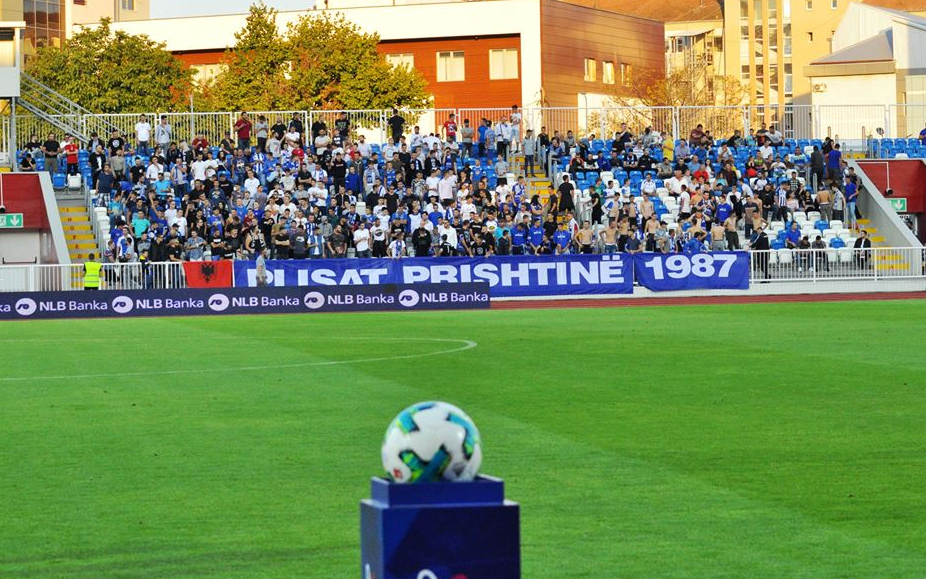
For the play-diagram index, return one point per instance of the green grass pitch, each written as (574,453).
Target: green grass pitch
(772,441)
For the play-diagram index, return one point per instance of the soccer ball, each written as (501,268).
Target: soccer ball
(432,441)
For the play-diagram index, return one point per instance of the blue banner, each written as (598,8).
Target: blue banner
(192,302)
(507,276)
(680,271)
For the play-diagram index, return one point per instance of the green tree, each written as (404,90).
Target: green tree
(253,73)
(113,72)
(336,66)
(321,62)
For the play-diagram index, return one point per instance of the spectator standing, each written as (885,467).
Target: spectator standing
(70,154)
(514,121)
(529,148)
(243,128)
(851,199)
(834,163)
(396,125)
(143,135)
(163,133)
(262,132)
(50,148)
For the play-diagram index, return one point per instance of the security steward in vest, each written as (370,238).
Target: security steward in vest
(92,273)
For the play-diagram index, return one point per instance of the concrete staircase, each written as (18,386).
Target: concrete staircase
(78,231)
(536,185)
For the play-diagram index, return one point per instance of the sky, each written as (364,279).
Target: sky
(172,8)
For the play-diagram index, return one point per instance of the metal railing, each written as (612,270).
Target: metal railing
(115,276)
(786,266)
(848,123)
(843,264)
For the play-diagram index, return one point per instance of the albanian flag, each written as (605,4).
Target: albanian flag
(208,273)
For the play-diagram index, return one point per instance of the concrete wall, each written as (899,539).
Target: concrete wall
(20,246)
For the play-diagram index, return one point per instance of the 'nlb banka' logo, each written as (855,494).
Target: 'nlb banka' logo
(313,300)
(409,298)
(26,306)
(218,302)
(122,304)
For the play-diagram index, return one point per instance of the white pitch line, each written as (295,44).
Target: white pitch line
(467,345)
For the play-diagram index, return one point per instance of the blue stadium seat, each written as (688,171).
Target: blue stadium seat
(59,180)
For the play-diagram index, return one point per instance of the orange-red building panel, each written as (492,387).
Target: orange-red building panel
(477,90)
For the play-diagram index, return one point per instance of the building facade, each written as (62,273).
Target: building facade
(47,21)
(878,65)
(768,43)
(92,11)
(484,54)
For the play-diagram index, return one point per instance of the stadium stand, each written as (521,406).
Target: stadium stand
(471,188)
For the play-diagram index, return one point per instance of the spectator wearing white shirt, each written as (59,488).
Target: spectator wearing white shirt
(445,189)
(251,183)
(684,203)
(154,169)
(362,242)
(515,123)
(379,232)
(676,182)
(143,135)
(364,148)
(448,238)
(397,249)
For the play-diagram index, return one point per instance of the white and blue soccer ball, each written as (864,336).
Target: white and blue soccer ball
(430,442)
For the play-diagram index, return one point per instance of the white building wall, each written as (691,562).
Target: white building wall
(858,23)
(865,96)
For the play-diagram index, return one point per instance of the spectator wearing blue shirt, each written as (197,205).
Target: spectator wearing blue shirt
(923,137)
(519,239)
(834,163)
(695,244)
(535,237)
(482,137)
(793,236)
(562,240)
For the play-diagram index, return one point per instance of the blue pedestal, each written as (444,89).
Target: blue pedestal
(440,530)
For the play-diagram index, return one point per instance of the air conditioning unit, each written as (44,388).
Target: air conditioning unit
(819,87)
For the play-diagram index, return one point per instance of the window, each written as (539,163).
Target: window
(44,24)
(397,60)
(626,74)
(809,4)
(503,63)
(810,37)
(607,72)
(450,66)
(591,70)
(834,4)
(128,4)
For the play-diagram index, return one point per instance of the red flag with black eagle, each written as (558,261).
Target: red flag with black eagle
(201,274)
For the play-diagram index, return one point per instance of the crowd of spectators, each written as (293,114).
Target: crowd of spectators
(276,188)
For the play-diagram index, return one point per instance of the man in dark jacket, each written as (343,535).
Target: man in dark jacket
(761,245)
